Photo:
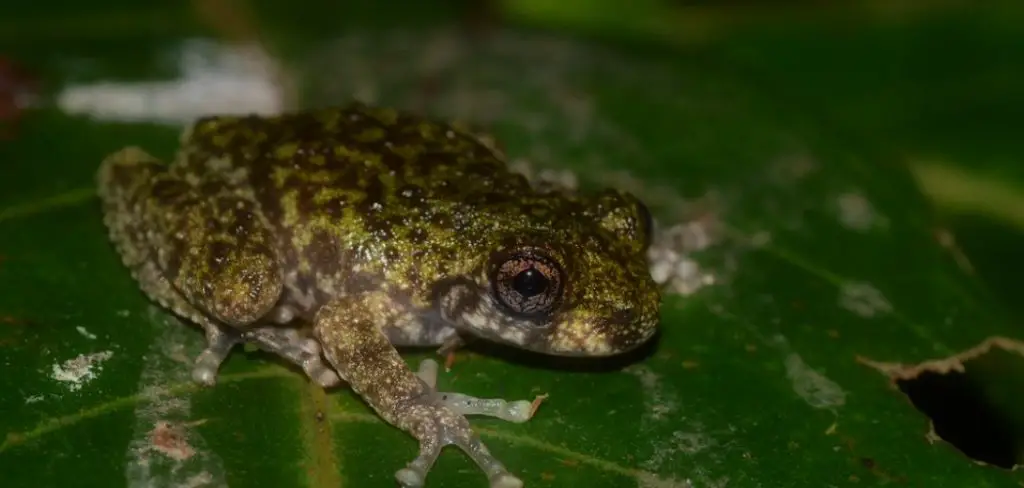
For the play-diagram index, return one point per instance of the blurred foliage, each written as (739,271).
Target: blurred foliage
(936,82)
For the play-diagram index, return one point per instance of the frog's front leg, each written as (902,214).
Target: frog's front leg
(517,411)
(349,330)
(429,334)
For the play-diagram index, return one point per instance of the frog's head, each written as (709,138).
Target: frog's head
(575,284)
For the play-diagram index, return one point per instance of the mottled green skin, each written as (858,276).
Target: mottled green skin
(380,228)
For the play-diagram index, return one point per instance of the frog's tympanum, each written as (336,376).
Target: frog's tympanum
(350,232)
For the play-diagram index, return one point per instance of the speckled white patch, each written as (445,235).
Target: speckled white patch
(166,451)
(678,443)
(817,390)
(85,332)
(812,386)
(659,401)
(856,212)
(82,369)
(669,256)
(863,299)
(650,480)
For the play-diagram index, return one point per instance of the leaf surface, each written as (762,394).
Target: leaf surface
(819,255)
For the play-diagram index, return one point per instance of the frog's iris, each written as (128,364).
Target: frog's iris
(528,283)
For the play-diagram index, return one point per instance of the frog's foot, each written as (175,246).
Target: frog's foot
(304,351)
(517,411)
(350,330)
(435,425)
(219,342)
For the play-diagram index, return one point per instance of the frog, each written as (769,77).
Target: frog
(335,237)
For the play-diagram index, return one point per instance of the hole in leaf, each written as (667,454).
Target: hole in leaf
(977,411)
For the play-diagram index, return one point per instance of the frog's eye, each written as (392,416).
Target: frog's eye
(528,283)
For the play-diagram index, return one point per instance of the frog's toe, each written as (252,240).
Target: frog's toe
(208,363)
(498,476)
(296,347)
(506,480)
(517,411)
(322,375)
(218,345)
(427,372)
(414,474)
(204,374)
(409,478)
(437,426)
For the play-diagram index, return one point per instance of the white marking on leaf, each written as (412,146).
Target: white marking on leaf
(82,369)
(651,480)
(857,213)
(812,386)
(166,450)
(817,390)
(679,442)
(863,299)
(658,401)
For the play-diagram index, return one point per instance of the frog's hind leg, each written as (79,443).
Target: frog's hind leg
(205,255)
(205,235)
(126,179)
(286,342)
(290,344)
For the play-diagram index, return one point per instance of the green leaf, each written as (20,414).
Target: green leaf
(822,273)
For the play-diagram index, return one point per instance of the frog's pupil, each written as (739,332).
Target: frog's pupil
(530,282)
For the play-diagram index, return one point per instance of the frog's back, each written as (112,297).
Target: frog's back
(383,191)
(353,156)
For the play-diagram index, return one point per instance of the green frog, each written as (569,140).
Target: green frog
(346,233)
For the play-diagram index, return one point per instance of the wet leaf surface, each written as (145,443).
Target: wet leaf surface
(820,254)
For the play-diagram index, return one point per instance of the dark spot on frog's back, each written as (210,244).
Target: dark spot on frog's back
(305,199)
(324,254)
(442,221)
(217,256)
(392,255)
(374,191)
(390,160)
(417,237)
(334,207)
